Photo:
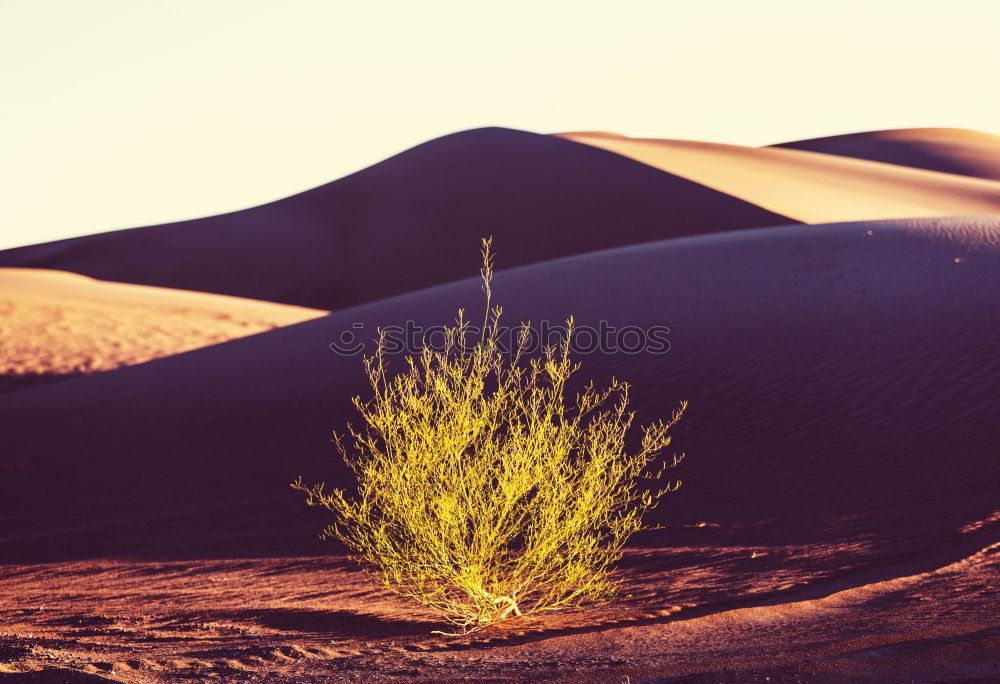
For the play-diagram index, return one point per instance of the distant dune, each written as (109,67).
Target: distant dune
(54,323)
(410,222)
(951,150)
(809,186)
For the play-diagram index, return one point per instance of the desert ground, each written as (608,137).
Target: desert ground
(833,310)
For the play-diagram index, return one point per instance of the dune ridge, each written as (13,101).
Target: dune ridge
(950,150)
(400,224)
(807,185)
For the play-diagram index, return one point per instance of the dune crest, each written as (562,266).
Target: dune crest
(809,186)
(397,226)
(950,150)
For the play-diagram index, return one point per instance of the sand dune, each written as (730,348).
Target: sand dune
(410,222)
(840,481)
(810,186)
(951,150)
(54,323)
(818,390)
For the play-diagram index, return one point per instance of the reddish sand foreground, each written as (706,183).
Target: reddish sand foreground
(839,518)
(702,614)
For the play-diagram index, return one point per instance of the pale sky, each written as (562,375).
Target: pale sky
(121,113)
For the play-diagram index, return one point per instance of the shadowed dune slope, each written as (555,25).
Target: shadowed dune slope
(55,323)
(843,385)
(410,222)
(951,150)
(808,186)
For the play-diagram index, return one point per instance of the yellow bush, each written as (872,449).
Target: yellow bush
(481,493)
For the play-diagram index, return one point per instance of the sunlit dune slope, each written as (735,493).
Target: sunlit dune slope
(410,222)
(809,186)
(951,150)
(55,323)
(843,387)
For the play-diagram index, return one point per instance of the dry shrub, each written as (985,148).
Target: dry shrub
(483,495)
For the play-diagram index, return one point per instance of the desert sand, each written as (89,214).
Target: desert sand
(55,324)
(839,517)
